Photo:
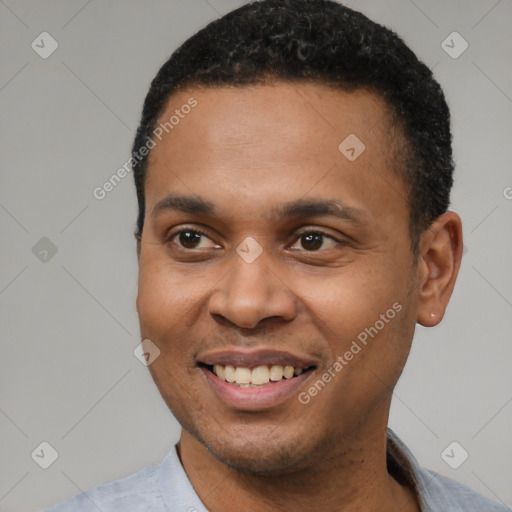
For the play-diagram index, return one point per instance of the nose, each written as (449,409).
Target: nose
(251,294)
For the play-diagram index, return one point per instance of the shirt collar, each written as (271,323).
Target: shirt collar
(425,484)
(178,493)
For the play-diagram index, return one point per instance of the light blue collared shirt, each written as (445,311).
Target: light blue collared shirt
(166,488)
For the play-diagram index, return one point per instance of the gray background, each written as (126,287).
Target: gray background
(69,325)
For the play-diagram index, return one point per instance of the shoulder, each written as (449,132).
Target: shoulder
(443,493)
(134,493)
(435,491)
(160,488)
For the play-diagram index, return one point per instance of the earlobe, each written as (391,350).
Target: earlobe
(439,263)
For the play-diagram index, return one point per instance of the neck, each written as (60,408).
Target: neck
(352,477)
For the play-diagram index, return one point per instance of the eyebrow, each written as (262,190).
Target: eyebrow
(298,208)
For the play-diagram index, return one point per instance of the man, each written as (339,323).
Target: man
(293,169)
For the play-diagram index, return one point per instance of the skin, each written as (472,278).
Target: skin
(248,150)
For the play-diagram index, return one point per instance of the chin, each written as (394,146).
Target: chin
(255,452)
(258,461)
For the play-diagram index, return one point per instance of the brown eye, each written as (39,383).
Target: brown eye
(313,241)
(189,239)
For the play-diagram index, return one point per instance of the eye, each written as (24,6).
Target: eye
(187,239)
(314,240)
(193,239)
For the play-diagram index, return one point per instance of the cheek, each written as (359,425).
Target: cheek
(170,301)
(369,338)
(164,305)
(163,295)
(156,293)
(365,316)
(354,300)
(161,305)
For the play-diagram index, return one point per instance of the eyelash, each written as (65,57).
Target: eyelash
(186,230)
(173,235)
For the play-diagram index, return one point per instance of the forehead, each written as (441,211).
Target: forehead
(273,144)
(303,118)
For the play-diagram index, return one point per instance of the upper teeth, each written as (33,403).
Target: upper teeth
(257,376)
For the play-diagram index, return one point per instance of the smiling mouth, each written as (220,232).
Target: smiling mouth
(259,376)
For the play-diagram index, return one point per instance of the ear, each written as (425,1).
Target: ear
(440,253)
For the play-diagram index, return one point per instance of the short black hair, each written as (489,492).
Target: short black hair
(326,42)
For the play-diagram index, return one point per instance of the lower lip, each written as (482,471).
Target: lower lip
(255,399)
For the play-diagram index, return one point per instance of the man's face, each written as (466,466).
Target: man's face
(298,292)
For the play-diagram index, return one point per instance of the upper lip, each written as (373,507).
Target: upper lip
(251,358)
